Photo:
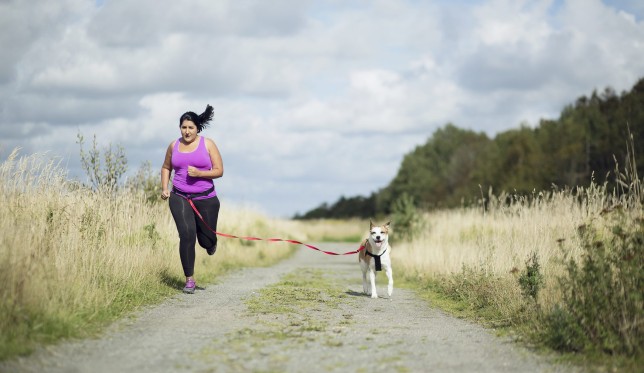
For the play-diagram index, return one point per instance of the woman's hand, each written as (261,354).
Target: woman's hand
(165,194)
(193,171)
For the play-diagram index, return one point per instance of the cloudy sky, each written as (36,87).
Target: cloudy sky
(313,99)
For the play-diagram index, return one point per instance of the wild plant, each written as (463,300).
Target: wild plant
(531,279)
(602,306)
(406,218)
(104,174)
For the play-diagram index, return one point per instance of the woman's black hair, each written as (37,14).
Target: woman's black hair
(201,121)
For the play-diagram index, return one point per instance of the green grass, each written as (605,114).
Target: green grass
(36,326)
(303,289)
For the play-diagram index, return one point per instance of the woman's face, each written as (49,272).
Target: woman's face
(188,130)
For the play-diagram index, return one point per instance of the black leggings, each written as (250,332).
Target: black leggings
(190,227)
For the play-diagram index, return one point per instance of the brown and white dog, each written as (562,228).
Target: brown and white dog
(375,257)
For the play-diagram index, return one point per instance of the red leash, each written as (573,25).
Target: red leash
(269,239)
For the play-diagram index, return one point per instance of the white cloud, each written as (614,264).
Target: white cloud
(313,100)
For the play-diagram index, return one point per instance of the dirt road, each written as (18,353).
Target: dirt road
(313,320)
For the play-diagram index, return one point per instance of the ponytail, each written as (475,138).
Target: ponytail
(206,116)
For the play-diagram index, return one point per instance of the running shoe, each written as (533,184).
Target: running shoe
(190,287)
(212,250)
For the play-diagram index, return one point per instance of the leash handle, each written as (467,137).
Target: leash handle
(268,239)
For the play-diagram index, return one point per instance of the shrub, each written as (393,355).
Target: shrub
(563,332)
(602,306)
(406,218)
(103,175)
(531,279)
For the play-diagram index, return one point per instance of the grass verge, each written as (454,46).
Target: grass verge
(579,290)
(72,259)
(440,294)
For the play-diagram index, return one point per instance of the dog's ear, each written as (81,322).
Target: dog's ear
(388,224)
(370,224)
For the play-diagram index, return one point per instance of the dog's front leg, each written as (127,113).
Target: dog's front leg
(365,288)
(364,267)
(390,277)
(372,282)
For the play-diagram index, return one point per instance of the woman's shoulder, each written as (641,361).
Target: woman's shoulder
(170,147)
(208,141)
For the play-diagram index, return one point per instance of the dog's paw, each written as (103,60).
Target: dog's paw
(374,296)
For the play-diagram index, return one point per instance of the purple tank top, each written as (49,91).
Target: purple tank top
(199,158)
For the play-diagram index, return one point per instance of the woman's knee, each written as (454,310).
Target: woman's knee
(206,241)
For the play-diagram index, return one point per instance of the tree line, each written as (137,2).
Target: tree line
(456,166)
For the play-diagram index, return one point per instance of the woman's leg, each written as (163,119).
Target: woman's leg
(209,209)
(184,218)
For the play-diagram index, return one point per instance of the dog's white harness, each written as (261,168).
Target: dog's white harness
(377,259)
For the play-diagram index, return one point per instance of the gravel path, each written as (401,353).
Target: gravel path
(213,331)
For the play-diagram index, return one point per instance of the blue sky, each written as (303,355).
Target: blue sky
(313,99)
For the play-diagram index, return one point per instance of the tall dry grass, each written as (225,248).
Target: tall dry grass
(72,259)
(498,240)
(332,230)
